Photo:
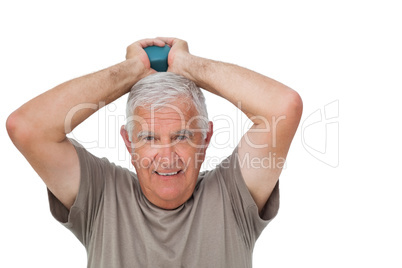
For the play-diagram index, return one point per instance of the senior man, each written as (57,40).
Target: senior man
(168,213)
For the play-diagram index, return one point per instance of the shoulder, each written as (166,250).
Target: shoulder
(218,177)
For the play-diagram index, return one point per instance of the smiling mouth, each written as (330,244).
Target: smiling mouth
(167,174)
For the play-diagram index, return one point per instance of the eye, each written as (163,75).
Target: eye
(181,137)
(149,138)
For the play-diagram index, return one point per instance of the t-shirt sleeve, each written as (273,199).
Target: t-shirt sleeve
(89,198)
(245,209)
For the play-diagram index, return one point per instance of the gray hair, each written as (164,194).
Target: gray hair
(162,88)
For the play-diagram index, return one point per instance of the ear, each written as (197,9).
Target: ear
(127,142)
(209,134)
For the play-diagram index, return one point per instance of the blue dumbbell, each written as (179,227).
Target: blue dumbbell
(158,56)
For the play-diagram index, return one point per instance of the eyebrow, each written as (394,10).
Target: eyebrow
(146,133)
(184,132)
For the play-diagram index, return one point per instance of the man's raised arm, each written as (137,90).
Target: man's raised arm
(274,108)
(38,127)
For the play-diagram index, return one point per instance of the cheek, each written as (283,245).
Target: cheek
(192,157)
(140,160)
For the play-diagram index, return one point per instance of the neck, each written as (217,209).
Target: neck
(167,204)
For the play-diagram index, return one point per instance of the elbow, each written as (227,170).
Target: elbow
(295,105)
(291,105)
(16,130)
(12,125)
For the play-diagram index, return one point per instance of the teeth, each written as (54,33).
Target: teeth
(167,174)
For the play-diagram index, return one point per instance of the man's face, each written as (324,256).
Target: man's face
(167,152)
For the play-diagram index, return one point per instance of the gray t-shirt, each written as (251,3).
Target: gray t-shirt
(119,227)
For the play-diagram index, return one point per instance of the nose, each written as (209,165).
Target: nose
(166,157)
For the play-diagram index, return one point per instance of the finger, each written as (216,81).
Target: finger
(151,42)
(168,40)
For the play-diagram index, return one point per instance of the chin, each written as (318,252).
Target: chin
(172,195)
(171,198)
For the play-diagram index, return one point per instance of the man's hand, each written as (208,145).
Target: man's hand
(177,55)
(136,50)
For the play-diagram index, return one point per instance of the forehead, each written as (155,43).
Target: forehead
(172,116)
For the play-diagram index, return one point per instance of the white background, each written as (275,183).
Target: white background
(341,189)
